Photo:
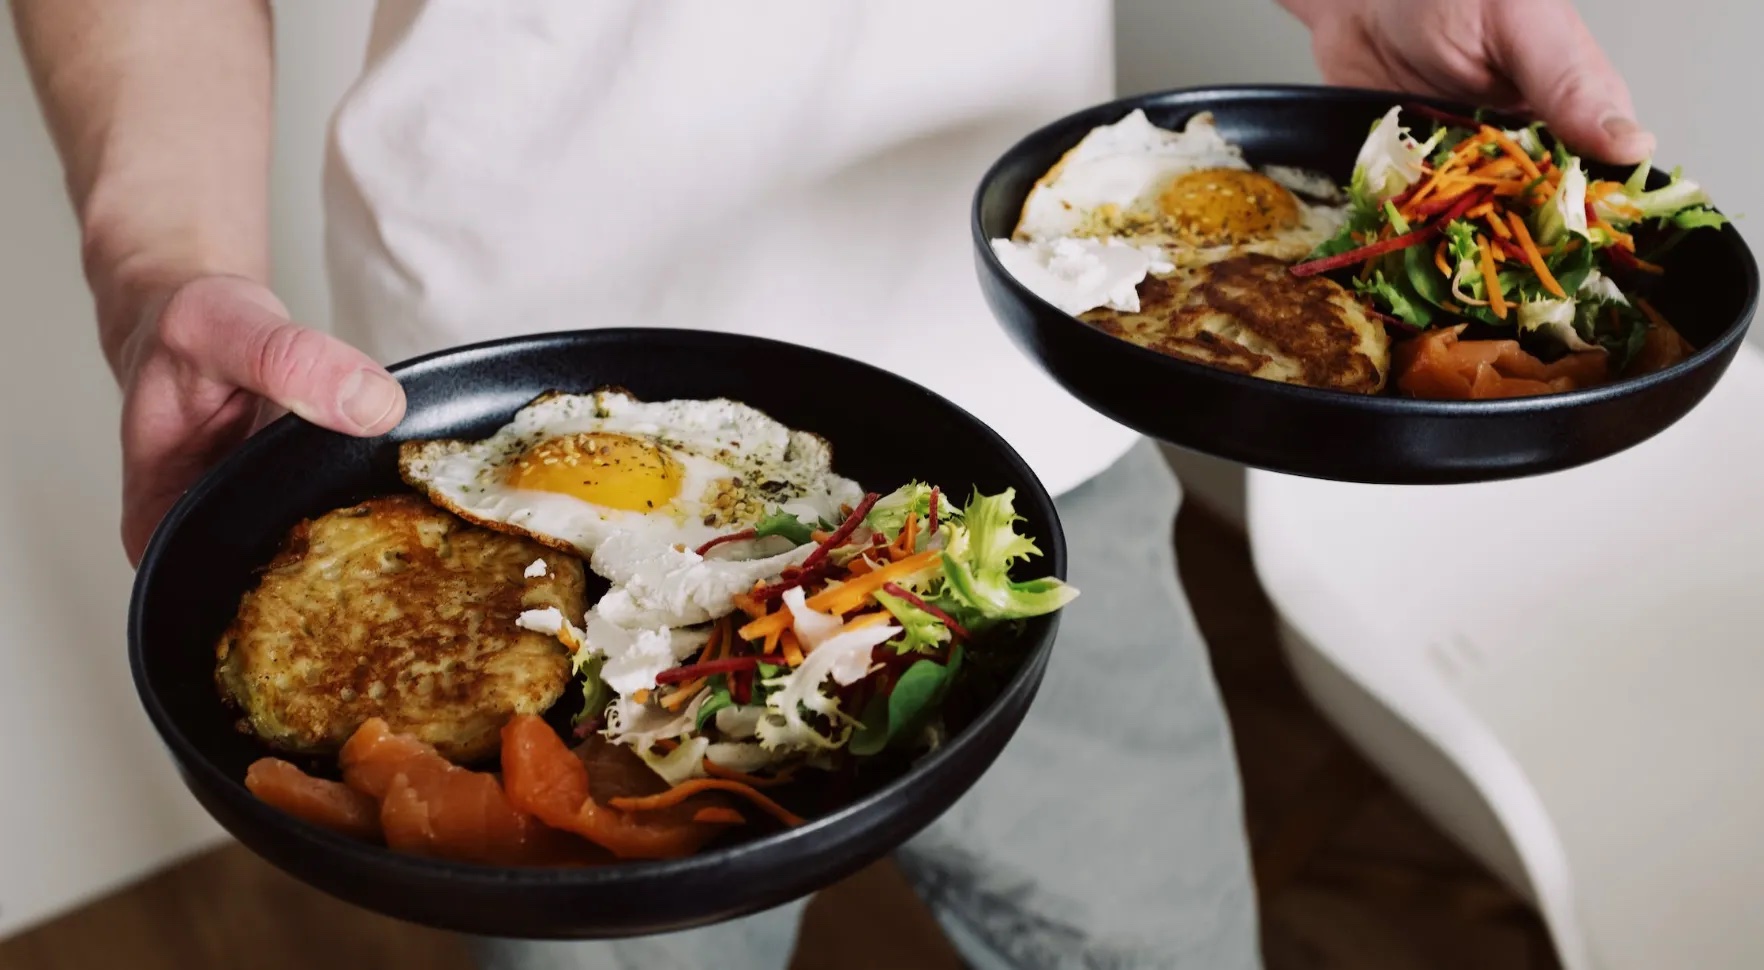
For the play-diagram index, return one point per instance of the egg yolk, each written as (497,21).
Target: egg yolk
(614,471)
(1228,205)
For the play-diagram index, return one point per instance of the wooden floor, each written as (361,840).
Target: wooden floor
(1350,875)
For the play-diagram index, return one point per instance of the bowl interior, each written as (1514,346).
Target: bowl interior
(1710,283)
(884,430)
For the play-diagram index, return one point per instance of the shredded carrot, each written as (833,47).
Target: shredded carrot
(1450,307)
(640,696)
(1452,161)
(1497,301)
(1500,167)
(908,539)
(838,600)
(1622,238)
(1513,151)
(860,565)
(717,815)
(752,781)
(685,790)
(713,648)
(690,689)
(1439,260)
(1494,223)
(842,599)
(1465,180)
(792,649)
(773,637)
(1648,267)
(747,604)
(1534,257)
(1478,212)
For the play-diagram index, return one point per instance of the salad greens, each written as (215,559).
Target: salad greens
(1506,229)
(850,655)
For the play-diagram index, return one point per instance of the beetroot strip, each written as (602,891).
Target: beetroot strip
(1444,117)
(766,594)
(896,589)
(731,537)
(1395,243)
(727,665)
(842,533)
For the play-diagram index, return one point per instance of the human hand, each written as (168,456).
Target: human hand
(207,362)
(1533,55)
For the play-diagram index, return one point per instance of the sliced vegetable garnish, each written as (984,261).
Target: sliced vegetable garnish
(681,792)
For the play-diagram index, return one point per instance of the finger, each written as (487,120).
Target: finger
(1560,70)
(234,332)
(171,434)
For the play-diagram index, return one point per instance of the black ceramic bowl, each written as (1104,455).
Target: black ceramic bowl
(1710,294)
(203,556)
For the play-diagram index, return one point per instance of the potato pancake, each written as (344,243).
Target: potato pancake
(398,610)
(1247,314)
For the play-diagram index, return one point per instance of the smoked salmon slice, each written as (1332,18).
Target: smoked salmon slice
(322,802)
(544,777)
(430,806)
(1438,366)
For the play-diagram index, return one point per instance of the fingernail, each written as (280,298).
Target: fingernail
(368,398)
(1622,127)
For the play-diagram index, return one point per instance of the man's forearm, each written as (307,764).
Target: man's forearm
(161,112)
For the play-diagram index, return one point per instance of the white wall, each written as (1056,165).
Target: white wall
(90,798)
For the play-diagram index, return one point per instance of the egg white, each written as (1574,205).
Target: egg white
(1108,186)
(736,466)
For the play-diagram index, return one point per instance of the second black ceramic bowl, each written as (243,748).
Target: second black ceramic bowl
(885,432)
(1710,293)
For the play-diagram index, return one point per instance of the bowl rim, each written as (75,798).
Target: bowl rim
(189,758)
(1221,96)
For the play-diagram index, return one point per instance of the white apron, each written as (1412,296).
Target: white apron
(797,170)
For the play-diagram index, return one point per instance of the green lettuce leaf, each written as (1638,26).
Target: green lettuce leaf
(719,699)
(921,632)
(888,515)
(904,713)
(1362,218)
(595,693)
(1396,296)
(786,525)
(978,559)
(1665,203)
(1564,213)
(1699,217)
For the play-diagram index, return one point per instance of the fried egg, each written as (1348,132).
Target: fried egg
(1189,193)
(574,470)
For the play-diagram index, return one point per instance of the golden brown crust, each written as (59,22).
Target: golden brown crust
(396,609)
(1249,315)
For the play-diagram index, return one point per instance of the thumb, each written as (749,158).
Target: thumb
(1560,71)
(236,332)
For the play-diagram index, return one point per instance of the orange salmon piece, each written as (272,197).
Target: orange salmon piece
(544,777)
(1437,365)
(430,806)
(330,804)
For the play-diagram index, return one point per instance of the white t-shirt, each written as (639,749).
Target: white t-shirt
(798,170)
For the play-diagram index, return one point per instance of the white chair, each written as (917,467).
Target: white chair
(1566,672)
